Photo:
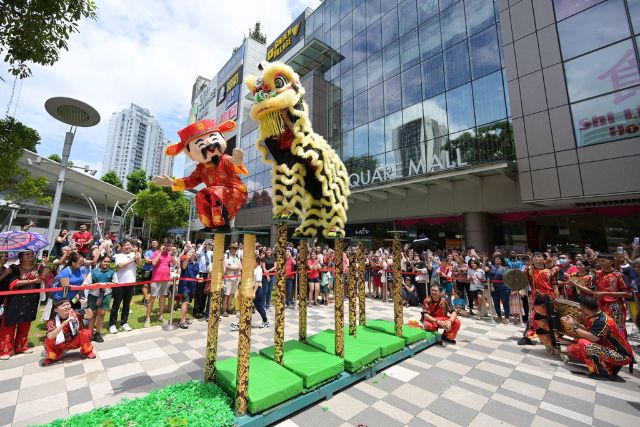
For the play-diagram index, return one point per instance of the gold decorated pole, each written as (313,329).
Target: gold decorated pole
(214,308)
(302,291)
(338,292)
(278,339)
(244,334)
(352,294)
(362,320)
(397,285)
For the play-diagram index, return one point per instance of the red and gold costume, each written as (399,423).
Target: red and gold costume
(606,356)
(223,187)
(80,340)
(615,307)
(439,310)
(20,311)
(542,282)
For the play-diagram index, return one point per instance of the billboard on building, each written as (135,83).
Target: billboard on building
(289,37)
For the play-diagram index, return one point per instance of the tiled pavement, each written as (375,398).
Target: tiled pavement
(486,379)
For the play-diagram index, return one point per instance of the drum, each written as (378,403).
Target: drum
(515,280)
(564,307)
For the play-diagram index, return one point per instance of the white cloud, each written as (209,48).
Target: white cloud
(146,52)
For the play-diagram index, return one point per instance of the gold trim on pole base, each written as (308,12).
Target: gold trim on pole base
(214,308)
(244,327)
(362,317)
(278,340)
(338,291)
(302,291)
(352,294)
(397,285)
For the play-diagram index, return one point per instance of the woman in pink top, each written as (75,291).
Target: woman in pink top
(162,262)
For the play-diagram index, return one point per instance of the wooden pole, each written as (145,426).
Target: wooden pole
(352,294)
(338,291)
(302,291)
(244,334)
(397,285)
(214,308)
(362,319)
(278,340)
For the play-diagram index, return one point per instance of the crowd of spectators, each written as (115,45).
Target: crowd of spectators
(469,280)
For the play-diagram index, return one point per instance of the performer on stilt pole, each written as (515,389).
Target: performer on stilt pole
(302,291)
(244,327)
(214,308)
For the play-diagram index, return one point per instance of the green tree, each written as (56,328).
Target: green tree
(257,34)
(137,181)
(112,178)
(492,142)
(37,30)
(17,185)
(56,158)
(162,209)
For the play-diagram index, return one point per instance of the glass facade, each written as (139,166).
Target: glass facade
(420,89)
(601,67)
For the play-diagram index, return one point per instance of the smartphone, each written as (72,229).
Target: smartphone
(636,241)
(620,250)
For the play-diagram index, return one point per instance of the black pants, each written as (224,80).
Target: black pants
(525,307)
(421,290)
(121,295)
(464,291)
(200,299)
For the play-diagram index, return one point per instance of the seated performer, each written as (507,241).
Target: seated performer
(66,332)
(601,346)
(438,313)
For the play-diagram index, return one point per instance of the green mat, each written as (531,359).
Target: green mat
(388,344)
(269,383)
(356,354)
(410,335)
(312,365)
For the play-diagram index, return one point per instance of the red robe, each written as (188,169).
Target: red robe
(615,307)
(223,188)
(609,354)
(542,281)
(440,310)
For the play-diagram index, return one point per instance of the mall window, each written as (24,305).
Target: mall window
(347,114)
(373,11)
(374,38)
(376,102)
(347,145)
(408,16)
(607,118)
(435,117)
(376,137)
(391,60)
(432,77)
(452,25)
(374,66)
(456,65)
(360,78)
(427,9)
(488,97)
(392,125)
(409,50)
(359,47)
(387,5)
(444,4)
(583,32)
(346,28)
(634,12)
(411,86)
(361,109)
(390,27)
(430,43)
(361,141)
(359,19)
(346,83)
(566,8)
(480,15)
(347,51)
(602,71)
(460,108)
(485,53)
(393,95)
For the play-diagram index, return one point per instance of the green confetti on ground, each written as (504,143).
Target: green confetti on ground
(325,408)
(193,404)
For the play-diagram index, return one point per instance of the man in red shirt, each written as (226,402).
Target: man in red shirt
(438,313)
(83,239)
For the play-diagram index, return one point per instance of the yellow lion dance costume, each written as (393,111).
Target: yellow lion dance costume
(309,179)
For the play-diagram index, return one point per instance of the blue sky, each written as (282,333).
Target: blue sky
(147,52)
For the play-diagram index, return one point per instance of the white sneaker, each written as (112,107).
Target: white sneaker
(127,328)
(264,325)
(113,329)
(147,323)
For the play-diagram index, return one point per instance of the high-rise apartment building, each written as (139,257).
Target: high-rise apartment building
(135,140)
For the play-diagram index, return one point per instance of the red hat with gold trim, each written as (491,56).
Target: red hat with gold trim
(197,129)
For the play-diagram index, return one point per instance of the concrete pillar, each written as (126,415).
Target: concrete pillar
(477,231)
(273,235)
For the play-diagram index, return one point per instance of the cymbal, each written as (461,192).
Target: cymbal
(515,280)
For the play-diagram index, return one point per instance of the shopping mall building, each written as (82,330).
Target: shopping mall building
(511,123)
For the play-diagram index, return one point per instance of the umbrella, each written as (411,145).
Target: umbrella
(424,244)
(16,241)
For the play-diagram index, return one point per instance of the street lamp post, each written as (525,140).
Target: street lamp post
(77,114)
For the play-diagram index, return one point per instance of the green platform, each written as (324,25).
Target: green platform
(388,343)
(314,366)
(270,384)
(356,354)
(409,333)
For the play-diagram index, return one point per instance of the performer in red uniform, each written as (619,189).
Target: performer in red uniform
(438,313)
(543,289)
(66,332)
(224,194)
(601,345)
(611,290)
